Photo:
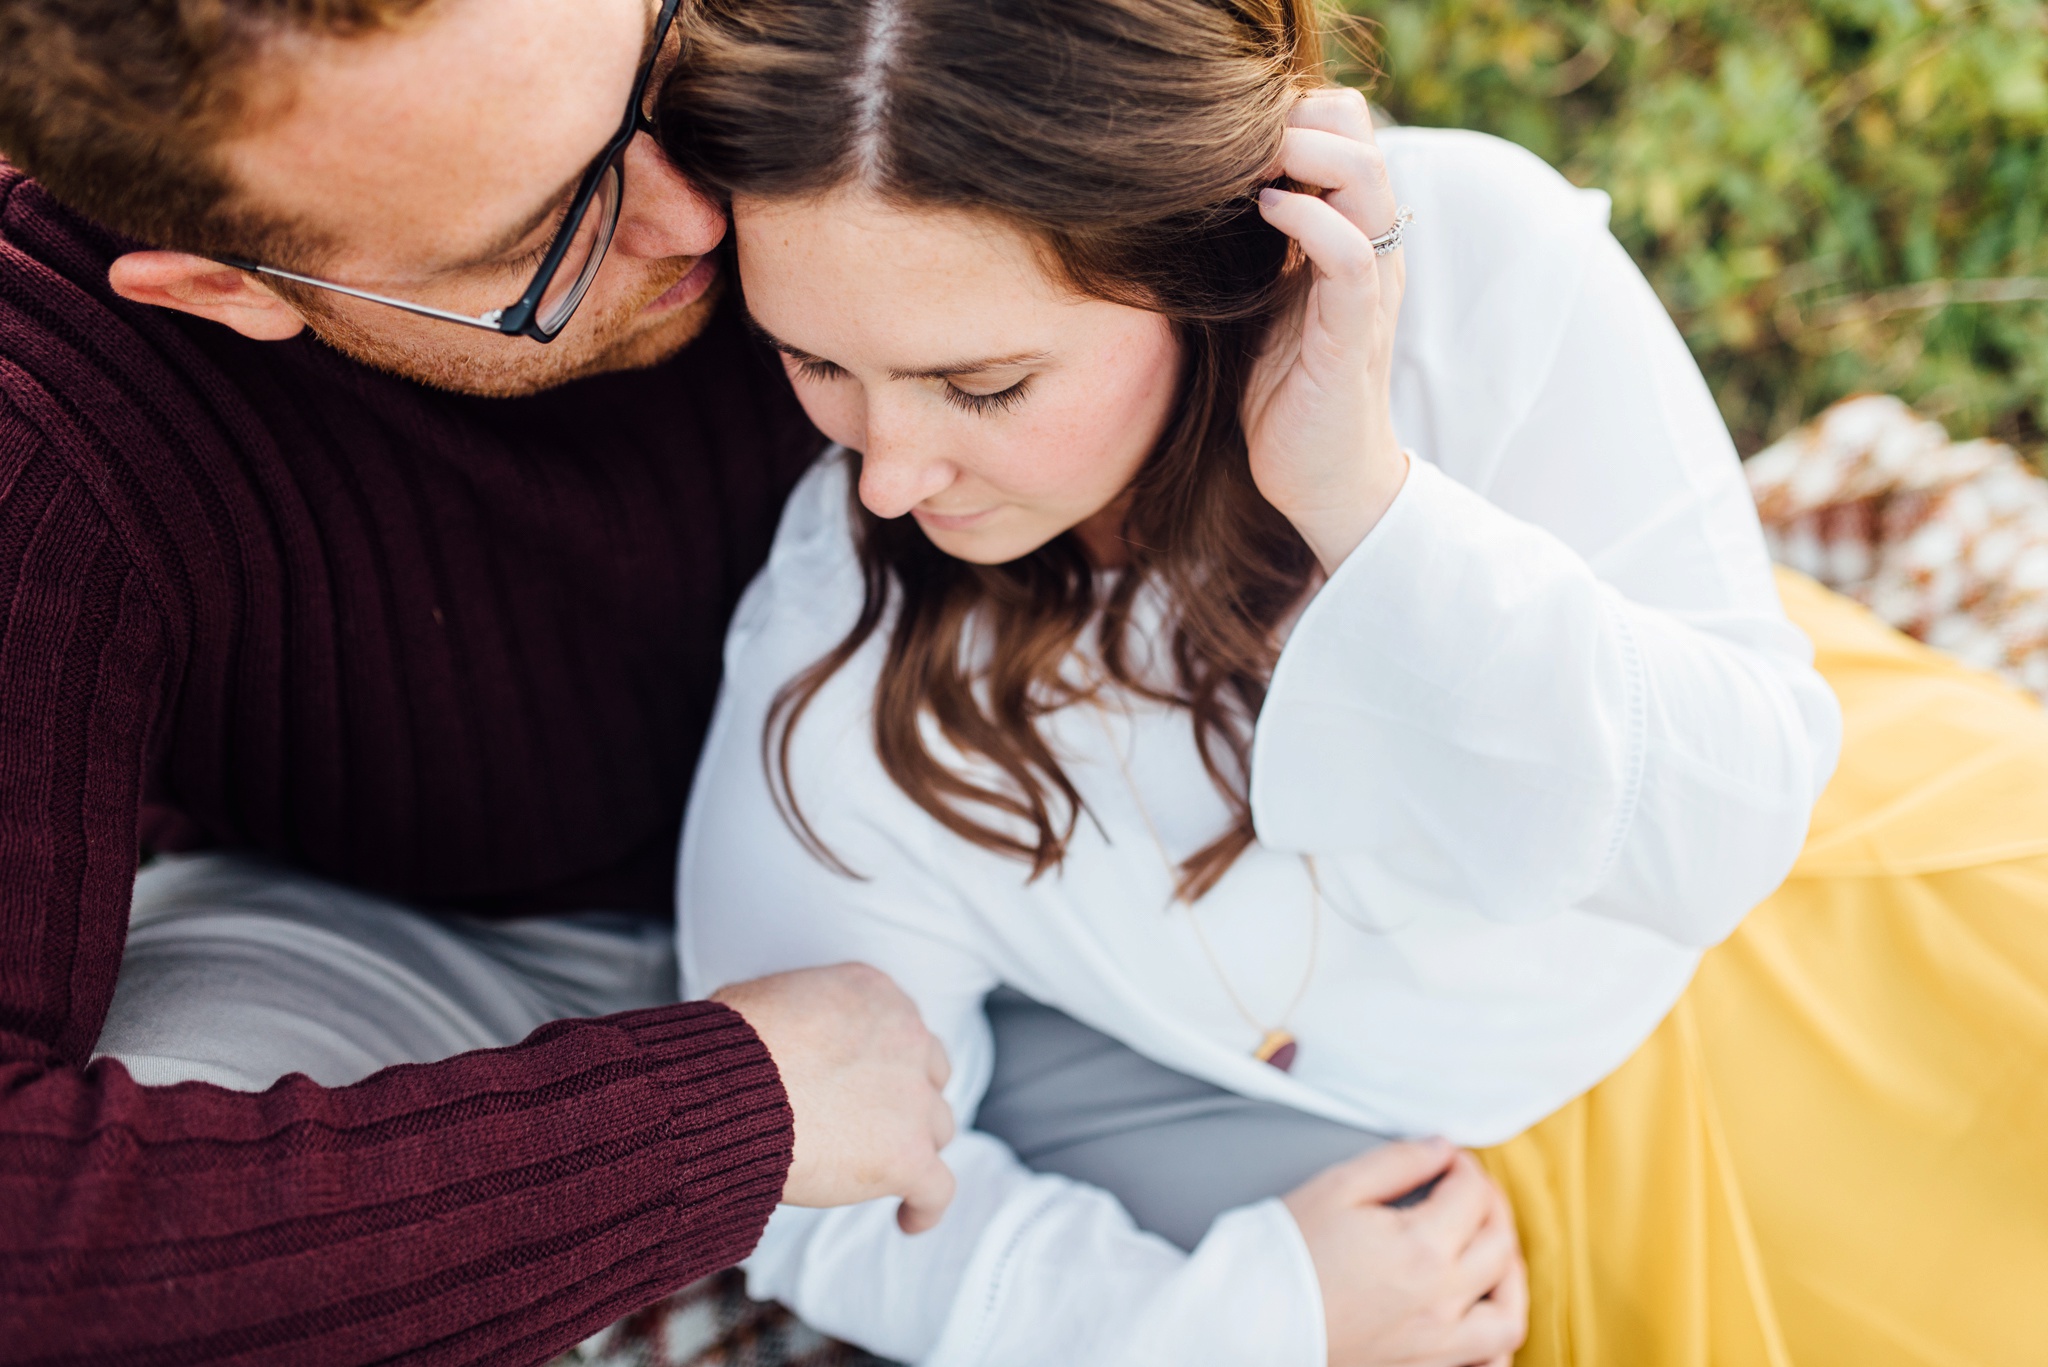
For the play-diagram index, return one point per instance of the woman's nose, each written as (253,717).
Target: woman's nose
(665,215)
(896,476)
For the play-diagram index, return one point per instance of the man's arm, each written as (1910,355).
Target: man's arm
(508,1202)
(500,1204)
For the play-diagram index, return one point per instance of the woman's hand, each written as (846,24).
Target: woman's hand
(1439,1283)
(1316,412)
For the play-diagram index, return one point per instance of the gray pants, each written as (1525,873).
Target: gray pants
(1177,1152)
(238,972)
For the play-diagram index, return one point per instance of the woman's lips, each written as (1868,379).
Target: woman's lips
(951,522)
(690,288)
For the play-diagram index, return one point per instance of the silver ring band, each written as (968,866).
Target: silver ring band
(1390,240)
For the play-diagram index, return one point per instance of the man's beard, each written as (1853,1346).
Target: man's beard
(627,345)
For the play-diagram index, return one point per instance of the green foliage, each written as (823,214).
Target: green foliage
(1830,195)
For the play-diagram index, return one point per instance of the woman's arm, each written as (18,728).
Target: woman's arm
(1557,676)
(1024,1268)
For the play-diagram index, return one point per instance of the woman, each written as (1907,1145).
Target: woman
(1152,676)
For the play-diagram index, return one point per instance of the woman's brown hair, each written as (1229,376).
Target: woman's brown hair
(1128,138)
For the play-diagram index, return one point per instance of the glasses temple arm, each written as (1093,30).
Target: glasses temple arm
(488,322)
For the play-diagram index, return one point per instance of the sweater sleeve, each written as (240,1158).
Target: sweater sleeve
(497,1206)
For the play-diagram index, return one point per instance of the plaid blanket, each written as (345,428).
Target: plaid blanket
(713,1324)
(1947,541)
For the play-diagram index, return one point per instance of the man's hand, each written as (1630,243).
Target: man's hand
(1438,1284)
(864,1079)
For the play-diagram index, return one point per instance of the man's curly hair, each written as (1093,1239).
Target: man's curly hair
(119,107)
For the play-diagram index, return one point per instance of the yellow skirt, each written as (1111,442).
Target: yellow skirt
(1834,1152)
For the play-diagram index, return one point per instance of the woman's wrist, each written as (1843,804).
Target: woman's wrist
(1337,529)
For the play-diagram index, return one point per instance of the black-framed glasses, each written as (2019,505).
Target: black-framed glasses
(573,261)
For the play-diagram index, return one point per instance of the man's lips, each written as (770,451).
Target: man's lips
(689,289)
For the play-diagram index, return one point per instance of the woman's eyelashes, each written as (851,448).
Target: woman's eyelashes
(817,371)
(1002,401)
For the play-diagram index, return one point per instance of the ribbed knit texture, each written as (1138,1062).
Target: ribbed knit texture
(460,652)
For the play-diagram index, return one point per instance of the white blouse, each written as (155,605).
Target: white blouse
(1547,733)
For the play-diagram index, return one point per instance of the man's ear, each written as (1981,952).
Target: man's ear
(205,289)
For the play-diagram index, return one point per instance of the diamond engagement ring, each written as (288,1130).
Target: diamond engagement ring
(1390,240)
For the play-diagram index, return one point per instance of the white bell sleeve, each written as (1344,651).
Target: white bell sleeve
(1556,674)
(1024,1269)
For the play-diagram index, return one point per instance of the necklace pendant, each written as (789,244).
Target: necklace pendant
(1278,1048)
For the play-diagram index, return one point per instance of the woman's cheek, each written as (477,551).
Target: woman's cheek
(838,408)
(1062,469)
(1099,444)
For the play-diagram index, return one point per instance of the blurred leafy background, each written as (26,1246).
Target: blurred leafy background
(1830,195)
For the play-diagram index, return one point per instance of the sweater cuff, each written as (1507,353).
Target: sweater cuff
(729,1121)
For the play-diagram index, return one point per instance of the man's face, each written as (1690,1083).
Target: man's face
(433,164)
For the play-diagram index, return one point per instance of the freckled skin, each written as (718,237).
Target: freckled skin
(879,291)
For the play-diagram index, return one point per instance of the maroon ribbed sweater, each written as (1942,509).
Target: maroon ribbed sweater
(457,651)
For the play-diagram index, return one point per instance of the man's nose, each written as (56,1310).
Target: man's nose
(898,472)
(665,215)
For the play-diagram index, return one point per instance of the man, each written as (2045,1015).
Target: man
(380,460)
(377,609)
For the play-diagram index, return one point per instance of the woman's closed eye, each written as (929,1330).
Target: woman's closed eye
(999,401)
(813,369)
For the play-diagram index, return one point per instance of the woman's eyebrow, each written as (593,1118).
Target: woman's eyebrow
(937,372)
(797,354)
(940,372)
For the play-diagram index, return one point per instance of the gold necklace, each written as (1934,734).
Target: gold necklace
(1277,1044)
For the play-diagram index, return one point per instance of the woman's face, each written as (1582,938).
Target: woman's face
(990,403)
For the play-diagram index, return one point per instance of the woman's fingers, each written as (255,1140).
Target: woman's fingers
(1512,1296)
(1323,448)
(1348,294)
(1497,1326)
(1334,109)
(1352,173)
(1493,1329)
(1486,1261)
(1335,228)
(1459,1207)
(1386,1173)
(1494,1288)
